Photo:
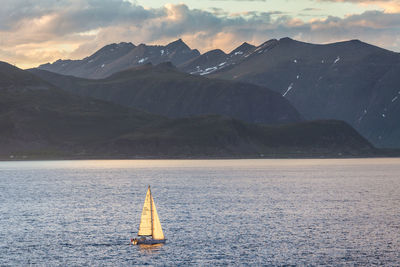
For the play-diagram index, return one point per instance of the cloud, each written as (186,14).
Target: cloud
(240,0)
(311,9)
(390,6)
(42,30)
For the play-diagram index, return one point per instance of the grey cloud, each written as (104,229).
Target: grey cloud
(311,9)
(72,15)
(100,14)
(218,11)
(13,11)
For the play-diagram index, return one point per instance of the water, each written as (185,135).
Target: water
(213,212)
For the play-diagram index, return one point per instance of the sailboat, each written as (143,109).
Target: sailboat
(150,231)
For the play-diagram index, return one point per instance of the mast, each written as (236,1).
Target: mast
(151,213)
(156,229)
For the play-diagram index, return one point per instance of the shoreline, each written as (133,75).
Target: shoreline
(395,154)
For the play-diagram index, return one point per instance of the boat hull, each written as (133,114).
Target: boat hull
(147,241)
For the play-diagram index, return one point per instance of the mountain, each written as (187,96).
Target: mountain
(12,78)
(40,121)
(92,65)
(205,63)
(164,90)
(221,136)
(116,57)
(350,81)
(36,116)
(215,60)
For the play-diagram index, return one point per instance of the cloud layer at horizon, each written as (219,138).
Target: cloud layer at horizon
(39,31)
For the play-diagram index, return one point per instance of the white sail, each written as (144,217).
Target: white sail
(145,227)
(157,230)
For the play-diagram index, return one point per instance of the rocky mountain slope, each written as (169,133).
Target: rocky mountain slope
(216,60)
(351,81)
(164,90)
(116,57)
(44,122)
(221,136)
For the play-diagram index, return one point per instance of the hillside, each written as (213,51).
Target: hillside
(216,60)
(12,78)
(220,136)
(351,81)
(164,90)
(54,124)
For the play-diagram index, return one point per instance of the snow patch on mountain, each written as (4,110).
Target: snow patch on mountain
(288,89)
(362,115)
(209,70)
(143,60)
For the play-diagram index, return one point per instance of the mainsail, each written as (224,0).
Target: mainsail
(150,223)
(145,227)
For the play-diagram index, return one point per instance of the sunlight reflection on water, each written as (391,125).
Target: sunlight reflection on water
(221,163)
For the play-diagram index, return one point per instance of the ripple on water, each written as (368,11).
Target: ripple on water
(217,212)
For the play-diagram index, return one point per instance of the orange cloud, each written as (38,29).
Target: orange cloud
(72,32)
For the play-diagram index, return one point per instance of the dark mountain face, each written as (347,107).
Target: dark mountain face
(206,63)
(92,65)
(215,135)
(116,57)
(216,60)
(164,90)
(350,81)
(244,48)
(52,123)
(13,78)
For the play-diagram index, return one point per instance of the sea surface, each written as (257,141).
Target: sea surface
(213,212)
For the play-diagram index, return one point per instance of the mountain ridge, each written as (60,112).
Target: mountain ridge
(116,57)
(54,124)
(347,80)
(351,81)
(163,89)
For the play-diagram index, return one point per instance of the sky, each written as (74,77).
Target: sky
(34,32)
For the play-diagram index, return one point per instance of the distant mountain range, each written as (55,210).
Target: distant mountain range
(116,57)
(351,81)
(164,90)
(39,120)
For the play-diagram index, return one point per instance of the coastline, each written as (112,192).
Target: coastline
(381,153)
